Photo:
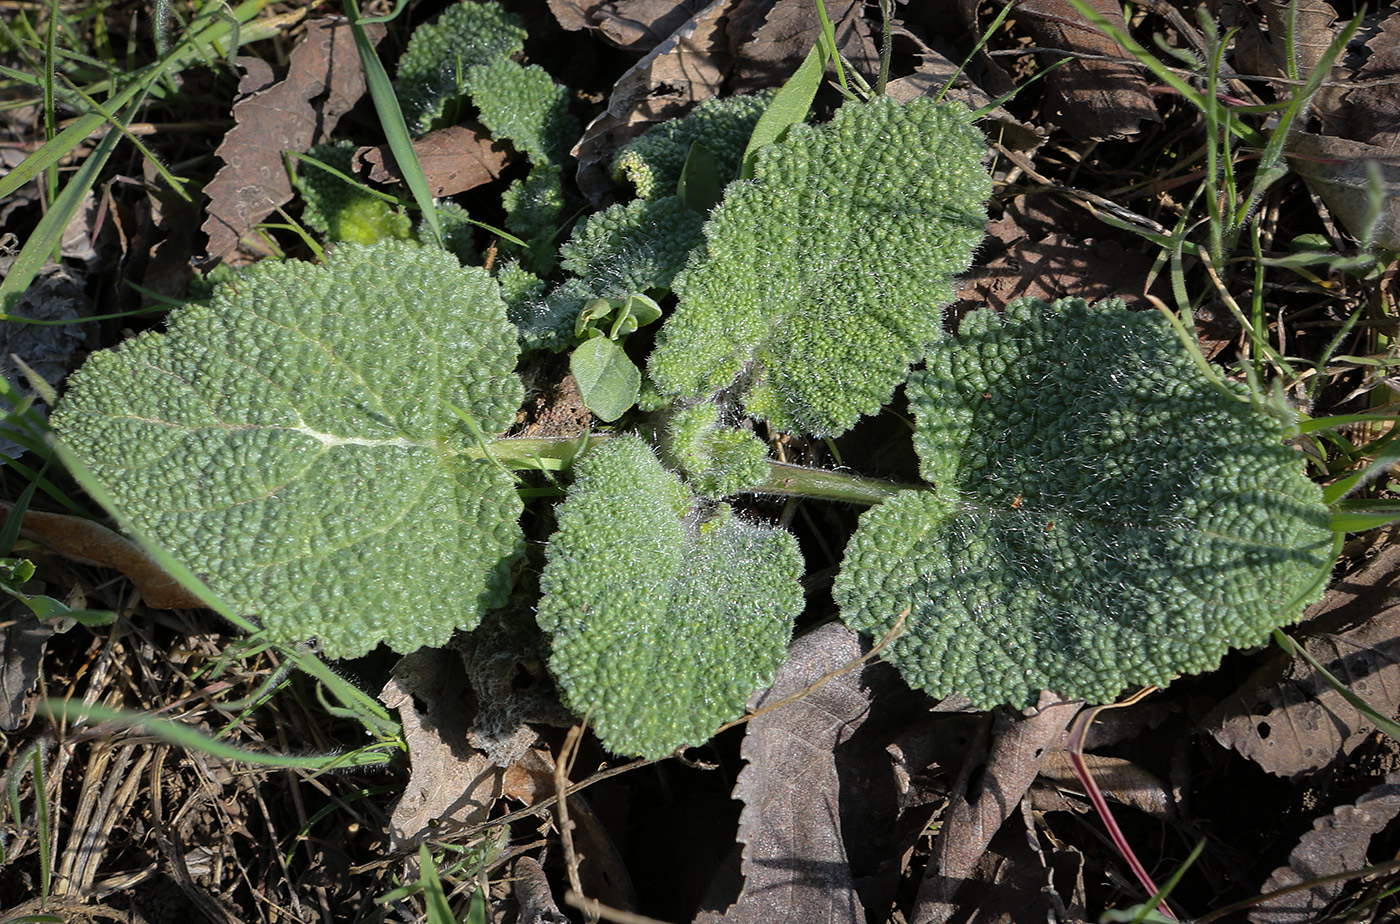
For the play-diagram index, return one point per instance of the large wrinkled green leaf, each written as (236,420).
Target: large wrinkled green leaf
(823,278)
(294,442)
(1102,516)
(665,618)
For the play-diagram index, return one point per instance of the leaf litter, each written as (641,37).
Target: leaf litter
(947,796)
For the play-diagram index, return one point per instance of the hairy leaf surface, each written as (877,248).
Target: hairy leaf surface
(665,620)
(1102,514)
(823,279)
(293,441)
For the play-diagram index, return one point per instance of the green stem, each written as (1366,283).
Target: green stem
(796,481)
(785,480)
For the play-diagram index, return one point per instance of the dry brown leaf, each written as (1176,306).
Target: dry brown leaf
(533,896)
(984,800)
(1373,113)
(637,26)
(1306,24)
(777,34)
(1091,97)
(687,68)
(90,543)
(56,295)
(449,780)
(1120,780)
(323,81)
(1359,182)
(1043,248)
(22,642)
(795,863)
(640,25)
(1337,844)
(1289,720)
(454,159)
(1014,882)
(574,15)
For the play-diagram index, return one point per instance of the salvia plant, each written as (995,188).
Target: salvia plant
(329,445)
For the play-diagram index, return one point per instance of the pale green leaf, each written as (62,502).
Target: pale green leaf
(607,379)
(293,442)
(667,614)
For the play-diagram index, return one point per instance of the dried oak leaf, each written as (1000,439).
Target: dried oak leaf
(1337,843)
(795,863)
(323,81)
(1099,93)
(454,159)
(685,69)
(1289,720)
(769,53)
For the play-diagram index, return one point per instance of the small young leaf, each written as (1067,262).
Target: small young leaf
(607,379)
(700,185)
(665,619)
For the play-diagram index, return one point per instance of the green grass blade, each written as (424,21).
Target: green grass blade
(391,120)
(46,237)
(1375,716)
(189,738)
(434,898)
(789,107)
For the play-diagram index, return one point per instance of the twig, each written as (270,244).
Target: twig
(562,766)
(596,909)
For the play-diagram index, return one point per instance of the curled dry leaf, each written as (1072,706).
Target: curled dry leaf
(1288,719)
(1100,93)
(450,781)
(632,25)
(1337,844)
(533,896)
(684,70)
(795,864)
(323,81)
(983,801)
(91,543)
(454,159)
